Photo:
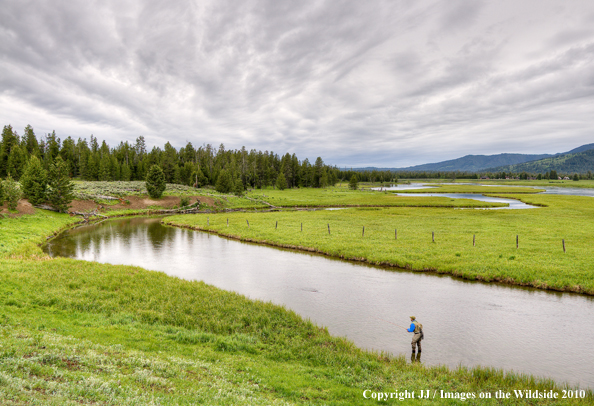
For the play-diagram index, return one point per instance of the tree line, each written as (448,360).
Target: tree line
(227,170)
(387,176)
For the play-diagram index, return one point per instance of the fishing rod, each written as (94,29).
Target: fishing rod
(390,322)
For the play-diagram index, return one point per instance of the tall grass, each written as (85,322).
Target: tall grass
(74,331)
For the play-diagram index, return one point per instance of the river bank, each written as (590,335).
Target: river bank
(522,247)
(150,327)
(353,299)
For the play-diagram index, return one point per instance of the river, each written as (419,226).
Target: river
(543,333)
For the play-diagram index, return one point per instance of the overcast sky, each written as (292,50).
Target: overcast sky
(360,83)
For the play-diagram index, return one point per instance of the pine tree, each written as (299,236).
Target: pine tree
(198,178)
(16,162)
(30,141)
(52,148)
(9,140)
(105,168)
(324,178)
(34,181)
(281,181)
(59,185)
(317,172)
(185,174)
(224,182)
(155,182)
(126,173)
(354,182)
(238,186)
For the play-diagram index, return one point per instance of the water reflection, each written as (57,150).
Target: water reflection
(465,322)
(512,203)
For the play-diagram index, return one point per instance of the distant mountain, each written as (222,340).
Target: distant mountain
(468,163)
(581,149)
(579,162)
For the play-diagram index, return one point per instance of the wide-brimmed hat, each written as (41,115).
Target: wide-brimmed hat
(412,317)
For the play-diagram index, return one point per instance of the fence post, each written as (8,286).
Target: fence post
(276,225)
(248,222)
(395,233)
(563,240)
(227,222)
(363,234)
(473,240)
(517,241)
(432,236)
(208,221)
(328,228)
(301,227)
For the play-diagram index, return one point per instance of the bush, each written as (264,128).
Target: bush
(155,182)
(12,192)
(184,201)
(1,193)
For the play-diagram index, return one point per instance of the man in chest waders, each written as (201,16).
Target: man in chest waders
(417,329)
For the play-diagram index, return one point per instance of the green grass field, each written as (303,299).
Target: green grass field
(341,196)
(75,332)
(539,261)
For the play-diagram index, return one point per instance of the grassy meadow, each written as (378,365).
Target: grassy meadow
(539,261)
(341,196)
(75,332)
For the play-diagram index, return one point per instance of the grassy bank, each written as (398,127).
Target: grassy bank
(74,332)
(539,261)
(453,188)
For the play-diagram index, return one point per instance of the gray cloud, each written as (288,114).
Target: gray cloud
(384,83)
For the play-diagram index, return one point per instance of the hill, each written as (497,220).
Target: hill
(468,163)
(580,162)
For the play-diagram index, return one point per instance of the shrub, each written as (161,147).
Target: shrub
(12,192)
(155,182)
(184,201)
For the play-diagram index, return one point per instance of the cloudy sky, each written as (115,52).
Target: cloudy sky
(360,83)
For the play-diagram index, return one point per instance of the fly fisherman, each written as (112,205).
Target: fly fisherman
(417,329)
